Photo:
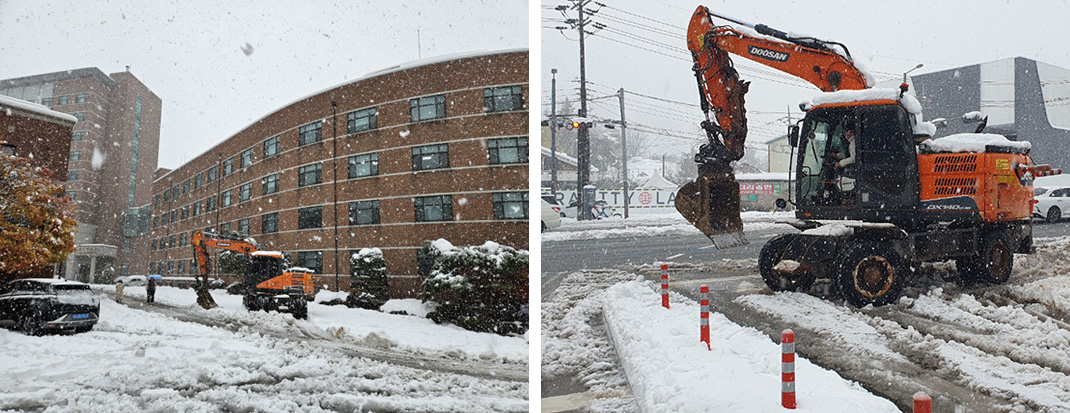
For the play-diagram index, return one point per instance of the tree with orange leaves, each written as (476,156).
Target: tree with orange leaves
(36,224)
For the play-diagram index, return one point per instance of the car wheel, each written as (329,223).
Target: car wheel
(771,254)
(871,273)
(544,226)
(30,324)
(1054,214)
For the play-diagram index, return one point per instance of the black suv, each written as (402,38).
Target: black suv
(34,305)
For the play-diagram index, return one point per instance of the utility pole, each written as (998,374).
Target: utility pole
(623,150)
(334,156)
(583,137)
(553,132)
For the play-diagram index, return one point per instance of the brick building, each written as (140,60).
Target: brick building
(33,131)
(112,153)
(428,150)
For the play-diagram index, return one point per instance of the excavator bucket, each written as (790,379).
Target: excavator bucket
(711,204)
(205,299)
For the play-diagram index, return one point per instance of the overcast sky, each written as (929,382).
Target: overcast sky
(889,37)
(190,52)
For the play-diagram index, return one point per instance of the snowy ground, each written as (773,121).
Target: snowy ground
(144,357)
(650,225)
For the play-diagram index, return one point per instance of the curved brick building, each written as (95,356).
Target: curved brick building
(433,149)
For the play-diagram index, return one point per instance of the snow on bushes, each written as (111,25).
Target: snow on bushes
(479,288)
(369,287)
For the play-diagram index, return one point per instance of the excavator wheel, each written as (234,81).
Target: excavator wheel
(871,272)
(299,308)
(711,204)
(992,264)
(772,253)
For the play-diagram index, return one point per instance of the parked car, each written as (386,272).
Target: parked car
(1051,204)
(36,305)
(551,218)
(130,280)
(555,204)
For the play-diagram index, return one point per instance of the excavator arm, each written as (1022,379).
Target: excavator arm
(201,241)
(711,202)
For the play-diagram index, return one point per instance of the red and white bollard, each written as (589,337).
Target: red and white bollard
(787,385)
(704,314)
(922,403)
(665,285)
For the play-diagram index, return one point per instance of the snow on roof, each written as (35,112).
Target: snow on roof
(763,176)
(370,75)
(276,254)
(35,108)
(563,157)
(300,269)
(848,96)
(972,142)
(659,182)
(54,281)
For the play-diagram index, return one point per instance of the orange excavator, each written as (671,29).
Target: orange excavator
(268,286)
(875,196)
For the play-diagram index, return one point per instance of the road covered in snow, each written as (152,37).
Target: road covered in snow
(174,356)
(991,348)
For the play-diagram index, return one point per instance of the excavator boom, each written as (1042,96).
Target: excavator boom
(711,202)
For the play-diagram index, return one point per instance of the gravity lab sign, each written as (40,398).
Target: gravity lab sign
(759,189)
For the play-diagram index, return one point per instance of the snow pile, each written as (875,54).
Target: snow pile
(670,370)
(831,230)
(410,306)
(654,225)
(972,142)
(925,128)
(909,102)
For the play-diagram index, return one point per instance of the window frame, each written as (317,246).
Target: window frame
(444,202)
(307,130)
(304,217)
(494,150)
(371,115)
(274,183)
(500,203)
(355,209)
(515,94)
(417,106)
(302,171)
(245,192)
(418,152)
(372,162)
(272,142)
(274,223)
(246,158)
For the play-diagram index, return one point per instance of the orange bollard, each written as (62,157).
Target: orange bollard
(787,385)
(704,315)
(665,285)
(922,403)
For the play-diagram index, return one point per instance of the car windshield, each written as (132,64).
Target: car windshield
(1039,191)
(75,294)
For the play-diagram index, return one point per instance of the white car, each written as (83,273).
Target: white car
(551,218)
(1051,204)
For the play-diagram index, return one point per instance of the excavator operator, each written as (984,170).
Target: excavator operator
(839,170)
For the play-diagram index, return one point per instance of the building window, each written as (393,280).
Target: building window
(224,229)
(152,267)
(185,212)
(269,223)
(424,263)
(166,195)
(364,212)
(511,205)
(362,120)
(211,175)
(126,245)
(197,180)
(364,165)
(174,218)
(428,107)
(434,208)
(430,157)
(311,217)
(226,198)
(156,200)
(47,102)
(271,147)
(508,150)
(181,267)
(312,260)
(309,175)
(228,166)
(501,99)
(154,245)
(75,155)
(63,100)
(244,226)
(171,241)
(310,133)
(210,204)
(182,239)
(174,192)
(81,97)
(185,187)
(245,192)
(270,184)
(197,208)
(72,176)
(155,221)
(246,157)
(80,116)
(78,136)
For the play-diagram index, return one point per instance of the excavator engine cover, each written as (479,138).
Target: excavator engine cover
(711,204)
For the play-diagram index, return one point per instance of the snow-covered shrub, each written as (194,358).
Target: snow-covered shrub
(369,286)
(106,276)
(233,263)
(479,288)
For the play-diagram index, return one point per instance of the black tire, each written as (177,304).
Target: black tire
(992,264)
(269,304)
(30,324)
(870,272)
(544,226)
(250,302)
(1054,215)
(299,308)
(772,253)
